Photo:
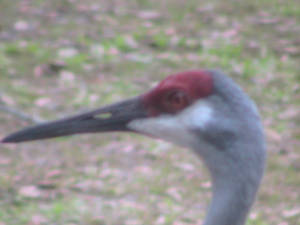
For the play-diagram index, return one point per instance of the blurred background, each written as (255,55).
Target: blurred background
(62,56)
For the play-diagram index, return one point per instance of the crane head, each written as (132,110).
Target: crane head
(162,106)
(178,109)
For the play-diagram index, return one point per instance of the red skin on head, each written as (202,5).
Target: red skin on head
(177,91)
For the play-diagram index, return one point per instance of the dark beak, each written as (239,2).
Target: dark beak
(109,118)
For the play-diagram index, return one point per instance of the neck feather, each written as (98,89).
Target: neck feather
(234,190)
(230,203)
(236,179)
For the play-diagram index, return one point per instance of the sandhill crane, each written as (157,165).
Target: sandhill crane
(203,110)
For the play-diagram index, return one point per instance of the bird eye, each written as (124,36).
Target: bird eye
(175,101)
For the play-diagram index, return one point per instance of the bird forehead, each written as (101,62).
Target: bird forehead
(196,83)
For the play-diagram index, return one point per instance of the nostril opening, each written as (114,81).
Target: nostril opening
(103,115)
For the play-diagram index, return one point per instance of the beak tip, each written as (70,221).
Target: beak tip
(6,140)
(10,139)
(3,140)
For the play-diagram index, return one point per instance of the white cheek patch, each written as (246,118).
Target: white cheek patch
(197,116)
(176,128)
(163,127)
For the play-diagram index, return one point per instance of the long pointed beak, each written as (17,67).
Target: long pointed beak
(109,118)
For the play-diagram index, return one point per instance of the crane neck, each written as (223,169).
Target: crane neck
(234,189)
(230,203)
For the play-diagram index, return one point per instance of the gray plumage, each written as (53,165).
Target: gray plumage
(233,148)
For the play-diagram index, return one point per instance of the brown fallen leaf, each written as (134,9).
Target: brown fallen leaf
(148,15)
(273,135)
(290,113)
(21,25)
(30,191)
(291,212)
(38,220)
(5,161)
